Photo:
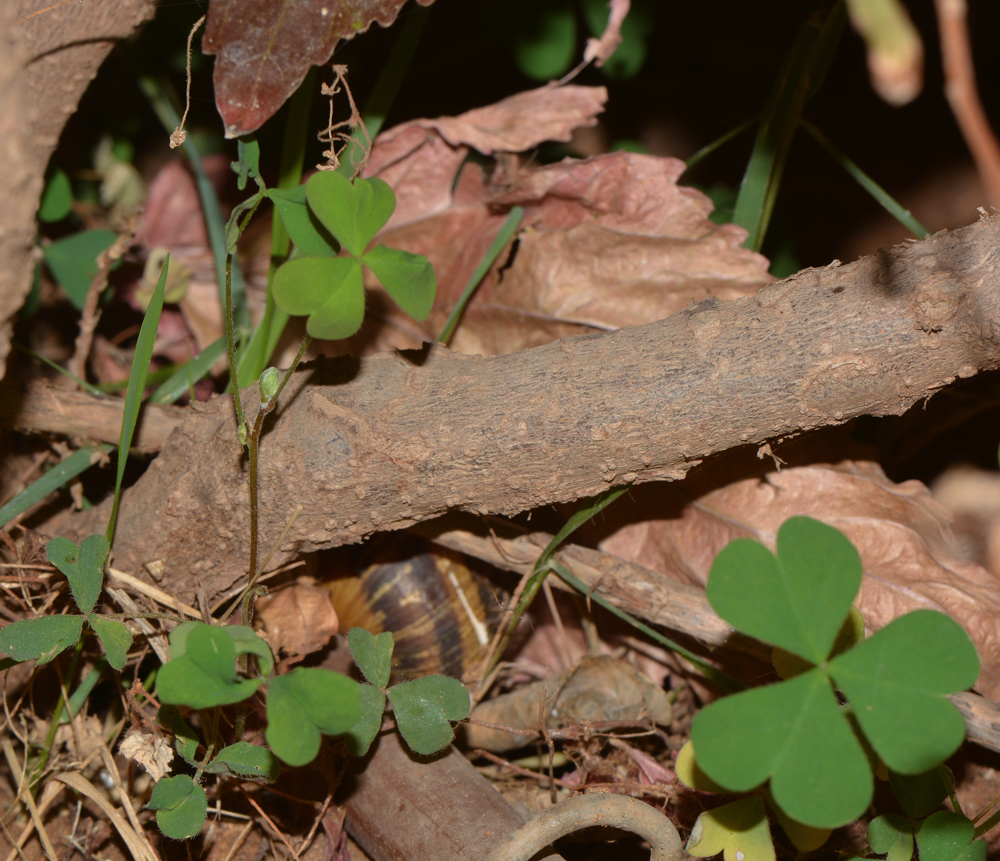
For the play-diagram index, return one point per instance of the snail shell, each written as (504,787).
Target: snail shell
(438,611)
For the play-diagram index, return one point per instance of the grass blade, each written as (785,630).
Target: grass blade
(508,229)
(721,141)
(189,373)
(136,386)
(800,77)
(80,461)
(884,199)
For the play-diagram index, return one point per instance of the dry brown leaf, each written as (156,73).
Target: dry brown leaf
(298,620)
(903,536)
(266,48)
(519,122)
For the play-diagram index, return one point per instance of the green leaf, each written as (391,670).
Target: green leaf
(204,673)
(851,633)
(136,386)
(794,733)
(57,199)
(372,654)
(83,567)
(423,709)
(546,43)
(892,836)
(245,760)
(305,703)
(185,738)
(248,153)
(40,639)
(330,289)
(689,772)
(947,836)
(919,794)
(408,278)
(797,601)
(73,261)
(739,830)
(115,637)
(181,807)
(352,212)
(896,681)
(304,228)
(247,642)
(360,736)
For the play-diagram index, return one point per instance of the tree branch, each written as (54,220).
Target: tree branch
(377,444)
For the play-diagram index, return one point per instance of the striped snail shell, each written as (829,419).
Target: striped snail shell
(438,611)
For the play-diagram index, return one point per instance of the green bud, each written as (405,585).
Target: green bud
(241,434)
(269,380)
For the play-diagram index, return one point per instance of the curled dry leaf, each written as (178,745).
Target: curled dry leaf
(298,620)
(903,536)
(150,750)
(601,49)
(265,49)
(597,689)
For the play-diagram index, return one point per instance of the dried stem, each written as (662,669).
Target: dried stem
(960,88)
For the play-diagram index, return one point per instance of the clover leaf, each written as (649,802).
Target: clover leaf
(424,708)
(181,806)
(305,703)
(796,732)
(330,213)
(947,836)
(83,567)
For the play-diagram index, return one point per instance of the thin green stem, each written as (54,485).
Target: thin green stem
(508,229)
(241,419)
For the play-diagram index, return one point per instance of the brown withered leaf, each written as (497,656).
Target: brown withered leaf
(298,620)
(265,48)
(903,536)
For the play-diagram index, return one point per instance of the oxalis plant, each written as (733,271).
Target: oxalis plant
(850,709)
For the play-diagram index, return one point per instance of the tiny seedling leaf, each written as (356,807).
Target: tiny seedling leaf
(305,703)
(794,733)
(181,807)
(423,709)
(57,199)
(896,681)
(372,654)
(73,261)
(245,760)
(330,290)
(115,637)
(40,639)
(360,736)
(352,212)
(204,675)
(185,738)
(248,152)
(407,277)
(919,794)
(891,836)
(797,600)
(83,567)
(947,836)
(304,228)
(739,830)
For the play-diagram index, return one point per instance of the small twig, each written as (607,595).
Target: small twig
(46,9)
(178,136)
(274,827)
(960,89)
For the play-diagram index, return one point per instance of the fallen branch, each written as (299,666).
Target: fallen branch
(368,445)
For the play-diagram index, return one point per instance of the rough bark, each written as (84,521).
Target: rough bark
(46,63)
(40,406)
(382,443)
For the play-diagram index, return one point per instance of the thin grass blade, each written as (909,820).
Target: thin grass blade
(801,74)
(136,386)
(884,199)
(189,373)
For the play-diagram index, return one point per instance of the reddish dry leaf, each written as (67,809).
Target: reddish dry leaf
(902,534)
(298,620)
(265,48)
(519,122)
